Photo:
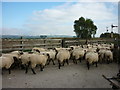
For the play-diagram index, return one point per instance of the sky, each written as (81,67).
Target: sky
(56,18)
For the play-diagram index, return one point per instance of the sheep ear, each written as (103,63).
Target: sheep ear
(14,58)
(21,52)
(48,55)
(71,48)
(37,51)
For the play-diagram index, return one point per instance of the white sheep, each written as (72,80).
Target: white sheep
(38,49)
(6,62)
(36,59)
(17,52)
(11,54)
(75,47)
(62,56)
(105,55)
(108,56)
(52,54)
(77,54)
(60,48)
(25,58)
(101,54)
(91,57)
(15,55)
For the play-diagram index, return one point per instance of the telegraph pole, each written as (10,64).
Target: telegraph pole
(107,29)
(112,26)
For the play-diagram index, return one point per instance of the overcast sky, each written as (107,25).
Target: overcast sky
(55,18)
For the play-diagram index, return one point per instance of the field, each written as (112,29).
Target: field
(69,76)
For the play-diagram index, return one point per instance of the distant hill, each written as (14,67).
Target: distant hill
(41,36)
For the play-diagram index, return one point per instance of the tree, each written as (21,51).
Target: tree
(84,28)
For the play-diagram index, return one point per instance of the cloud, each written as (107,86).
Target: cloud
(60,19)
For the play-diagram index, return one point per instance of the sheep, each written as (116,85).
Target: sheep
(37,49)
(15,55)
(105,55)
(108,56)
(11,54)
(6,62)
(74,47)
(17,52)
(77,54)
(24,58)
(60,48)
(62,56)
(101,54)
(35,59)
(52,54)
(91,57)
(91,49)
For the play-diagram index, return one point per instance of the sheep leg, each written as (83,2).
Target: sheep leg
(59,64)
(9,70)
(22,67)
(67,62)
(76,61)
(49,61)
(96,64)
(53,62)
(63,63)
(41,68)
(88,65)
(73,59)
(100,61)
(80,60)
(108,62)
(15,64)
(33,71)
(26,70)
(27,66)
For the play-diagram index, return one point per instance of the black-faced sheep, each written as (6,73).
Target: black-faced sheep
(62,57)
(91,57)
(36,59)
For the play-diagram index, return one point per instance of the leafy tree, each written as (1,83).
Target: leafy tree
(84,28)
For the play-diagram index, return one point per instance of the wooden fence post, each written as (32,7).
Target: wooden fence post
(44,42)
(63,43)
(21,43)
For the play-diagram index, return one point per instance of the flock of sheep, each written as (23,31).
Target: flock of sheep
(91,53)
